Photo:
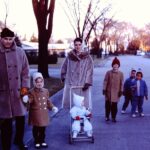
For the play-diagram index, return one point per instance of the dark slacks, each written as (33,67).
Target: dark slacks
(6,131)
(111,107)
(38,134)
(126,102)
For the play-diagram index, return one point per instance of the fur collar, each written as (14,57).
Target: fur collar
(73,55)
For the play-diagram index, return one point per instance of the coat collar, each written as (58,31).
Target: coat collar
(73,55)
(38,90)
(3,50)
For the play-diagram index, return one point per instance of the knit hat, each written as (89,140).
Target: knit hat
(116,61)
(35,76)
(7,33)
(139,71)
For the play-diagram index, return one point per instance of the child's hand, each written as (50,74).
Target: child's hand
(25,99)
(89,115)
(55,109)
(77,118)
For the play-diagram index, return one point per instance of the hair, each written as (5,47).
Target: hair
(140,74)
(78,40)
(133,70)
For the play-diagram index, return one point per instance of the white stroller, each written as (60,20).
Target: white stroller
(80,122)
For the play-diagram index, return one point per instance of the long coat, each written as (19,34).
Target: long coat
(39,105)
(14,74)
(113,84)
(76,71)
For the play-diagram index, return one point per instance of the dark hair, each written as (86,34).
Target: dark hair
(140,74)
(133,70)
(78,40)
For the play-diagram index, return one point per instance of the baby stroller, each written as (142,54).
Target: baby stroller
(82,135)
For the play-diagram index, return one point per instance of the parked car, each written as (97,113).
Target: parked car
(140,53)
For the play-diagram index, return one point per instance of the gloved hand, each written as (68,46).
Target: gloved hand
(63,79)
(86,86)
(104,92)
(24,91)
(89,115)
(146,97)
(77,118)
(25,99)
(55,109)
(120,93)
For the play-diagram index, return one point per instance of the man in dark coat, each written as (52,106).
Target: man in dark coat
(14,83)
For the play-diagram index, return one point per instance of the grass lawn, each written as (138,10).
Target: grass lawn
(55,84)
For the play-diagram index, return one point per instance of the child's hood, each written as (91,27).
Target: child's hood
(77,100)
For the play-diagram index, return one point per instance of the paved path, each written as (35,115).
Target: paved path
(127,134)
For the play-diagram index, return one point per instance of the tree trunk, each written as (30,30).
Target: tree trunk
(43,55)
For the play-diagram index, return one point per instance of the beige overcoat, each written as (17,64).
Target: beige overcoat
(39,106)
(113,84)
(76,71)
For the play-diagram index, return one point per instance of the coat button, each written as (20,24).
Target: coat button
(9,78)
(17,78)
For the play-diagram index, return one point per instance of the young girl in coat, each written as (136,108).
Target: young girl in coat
(39,106)
(79,112)
(139,91)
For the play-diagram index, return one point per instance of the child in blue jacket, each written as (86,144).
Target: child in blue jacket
(139,91)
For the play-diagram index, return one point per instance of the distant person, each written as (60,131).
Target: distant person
(39,104)
(14,83)
(112,89)
(127,92)
(77,70)
(139,91)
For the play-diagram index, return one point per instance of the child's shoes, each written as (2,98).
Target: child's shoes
(44,145)
(37,146)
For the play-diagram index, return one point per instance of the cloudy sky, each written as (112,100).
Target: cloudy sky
(22,20)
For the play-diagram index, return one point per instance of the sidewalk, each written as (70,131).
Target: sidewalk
(56,98)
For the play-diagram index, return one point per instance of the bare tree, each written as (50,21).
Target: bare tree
(44,11)
(83,16)
(101,31)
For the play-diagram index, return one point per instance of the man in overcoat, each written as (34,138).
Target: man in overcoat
(14,83)
(77,70)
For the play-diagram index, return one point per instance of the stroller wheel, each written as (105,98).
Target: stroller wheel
(70,139)
(92,139)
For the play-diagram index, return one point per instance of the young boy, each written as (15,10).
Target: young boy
(39,104)
(127,90)
(139,91)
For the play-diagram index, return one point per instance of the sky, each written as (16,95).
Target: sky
(22,20)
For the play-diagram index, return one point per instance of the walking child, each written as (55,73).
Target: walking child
(139,91)
(113,89)
(127,92)
(39,104)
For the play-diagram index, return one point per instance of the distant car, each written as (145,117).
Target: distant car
(140,53)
